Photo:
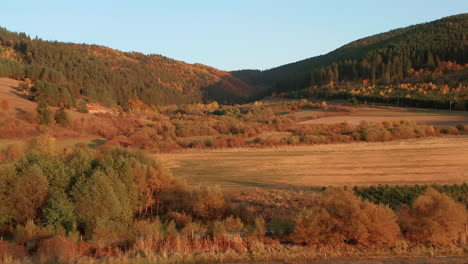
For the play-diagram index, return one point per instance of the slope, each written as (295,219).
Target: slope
(110,76)
(431,52)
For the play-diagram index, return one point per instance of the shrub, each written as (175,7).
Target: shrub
(403,132)
(4,105)
(30,232)
(108,234)
(180,219)
(376,133)
(42,143)
(208,202)
(12,152)
(280,227)
(62,118)
(434,218)
(10,251)
(233,224)
(342,218)
(58,248)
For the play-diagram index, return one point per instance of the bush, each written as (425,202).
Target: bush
(62,118)
(4,105)
(403,132)
(43,143)
(12,152)
(58,248)
(342,218)
(208,203)
(434,218)
(82,107)
(376,133)
(10,251)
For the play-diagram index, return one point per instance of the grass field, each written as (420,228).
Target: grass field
(60,144)
(409,260)
(380,114)
(18,101)
(419,161)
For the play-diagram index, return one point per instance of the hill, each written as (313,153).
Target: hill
(69,71)
(434,52)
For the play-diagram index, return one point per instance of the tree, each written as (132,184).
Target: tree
(208,202)
(434,218)
(59,211)
(97,199)
(342,218)
(82,107)
(44,114)
(43,143)
(28,194)
(62,118)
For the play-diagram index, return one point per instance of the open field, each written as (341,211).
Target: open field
(18,101)
(61,145)
(375,114)
(419,161)
(410,260)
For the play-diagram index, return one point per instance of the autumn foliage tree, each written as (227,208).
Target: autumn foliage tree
(434,218)
(341,218)
(208,202)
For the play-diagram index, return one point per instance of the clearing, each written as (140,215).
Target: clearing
(380,114)
(17,99)
(419,161)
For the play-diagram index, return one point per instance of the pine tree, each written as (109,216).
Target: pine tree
(44,114)
(62,118)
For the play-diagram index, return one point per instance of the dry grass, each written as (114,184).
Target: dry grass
(378,115)
(18,101)
(418,161)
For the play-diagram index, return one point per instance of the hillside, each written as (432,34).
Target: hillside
(434,52)
(71,71)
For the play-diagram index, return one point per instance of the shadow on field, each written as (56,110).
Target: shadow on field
(283,186)
(95,143)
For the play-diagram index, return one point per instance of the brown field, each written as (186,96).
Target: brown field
(377,115)
(409,260)
(17,100)
(419,161)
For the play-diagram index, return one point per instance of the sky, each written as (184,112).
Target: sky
(226,34)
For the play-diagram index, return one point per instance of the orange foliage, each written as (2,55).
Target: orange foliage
(434,218)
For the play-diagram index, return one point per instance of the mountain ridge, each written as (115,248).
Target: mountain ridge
(431,52)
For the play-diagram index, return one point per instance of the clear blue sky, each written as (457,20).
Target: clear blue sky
(227,34)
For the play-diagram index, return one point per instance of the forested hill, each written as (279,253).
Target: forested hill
(431,52)
(68,72)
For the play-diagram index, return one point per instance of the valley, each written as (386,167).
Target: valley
(418,161)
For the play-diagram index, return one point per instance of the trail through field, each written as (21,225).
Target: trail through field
(419,161)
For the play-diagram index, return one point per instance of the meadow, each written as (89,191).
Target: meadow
(230,183)
(418,161)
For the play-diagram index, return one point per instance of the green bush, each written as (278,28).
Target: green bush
(62,118)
